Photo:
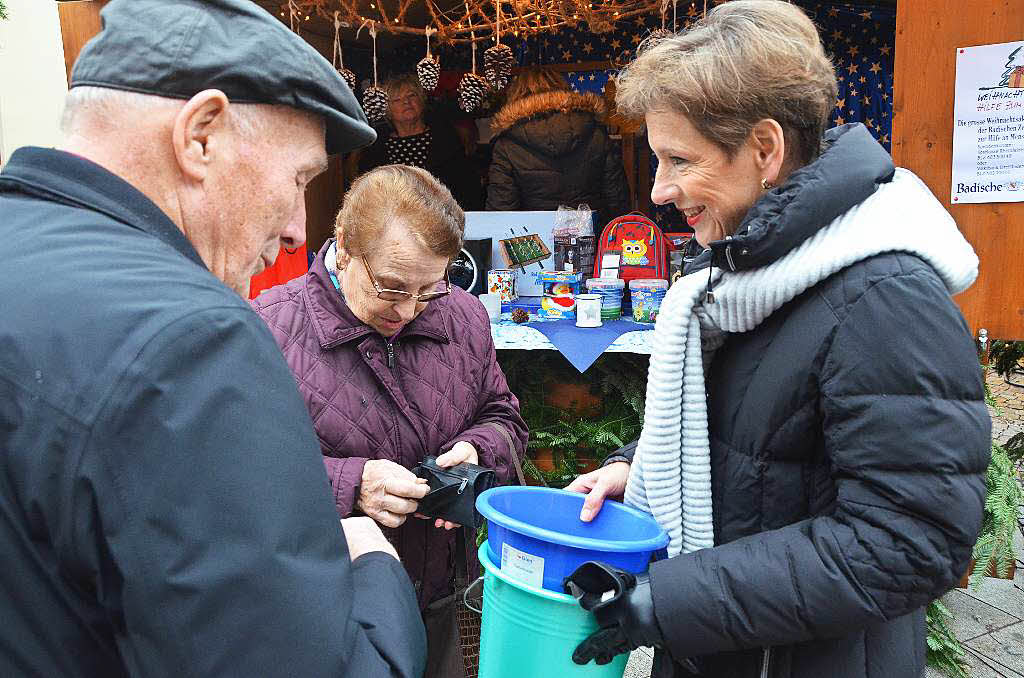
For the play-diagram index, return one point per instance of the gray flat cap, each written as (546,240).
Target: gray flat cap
(178,49)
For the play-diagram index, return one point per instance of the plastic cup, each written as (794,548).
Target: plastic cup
(492,302)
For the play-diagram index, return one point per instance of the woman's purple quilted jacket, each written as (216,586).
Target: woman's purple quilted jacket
(443,385)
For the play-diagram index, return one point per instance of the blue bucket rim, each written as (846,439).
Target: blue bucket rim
(483,553)
(483,505)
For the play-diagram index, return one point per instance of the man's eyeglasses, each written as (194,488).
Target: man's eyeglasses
(397,296)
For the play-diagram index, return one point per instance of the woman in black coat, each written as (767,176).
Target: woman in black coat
(816,436)
(551,149)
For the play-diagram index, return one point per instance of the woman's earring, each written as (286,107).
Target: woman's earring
(765,184)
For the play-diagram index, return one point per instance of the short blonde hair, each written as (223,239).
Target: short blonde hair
(400,192)
(747,61)
(395,85)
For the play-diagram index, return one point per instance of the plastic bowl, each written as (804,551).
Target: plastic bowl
(536,536)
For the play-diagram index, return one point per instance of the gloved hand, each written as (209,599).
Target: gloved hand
(621,602)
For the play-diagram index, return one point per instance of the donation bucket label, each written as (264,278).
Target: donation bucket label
(523,566)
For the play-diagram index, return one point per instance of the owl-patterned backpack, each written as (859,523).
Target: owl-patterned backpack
(635,246)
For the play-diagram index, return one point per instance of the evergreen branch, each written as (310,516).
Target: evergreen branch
(944,650)
(994,550)
(3,10)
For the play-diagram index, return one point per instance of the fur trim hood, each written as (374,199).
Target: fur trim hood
(553,123)
(537,105)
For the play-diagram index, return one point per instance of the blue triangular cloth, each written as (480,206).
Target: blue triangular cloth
(582,345)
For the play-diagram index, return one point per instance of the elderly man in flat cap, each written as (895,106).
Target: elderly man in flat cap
(163,505)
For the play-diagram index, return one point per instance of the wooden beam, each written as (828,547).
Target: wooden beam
(79,22)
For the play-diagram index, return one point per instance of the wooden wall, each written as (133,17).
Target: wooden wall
(80,21)
(927,34)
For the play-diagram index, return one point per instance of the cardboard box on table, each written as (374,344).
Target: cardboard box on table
(560,291)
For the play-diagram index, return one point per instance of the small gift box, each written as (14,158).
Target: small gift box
(502,282)
(560,290)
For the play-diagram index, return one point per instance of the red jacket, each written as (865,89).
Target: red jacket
(444,385)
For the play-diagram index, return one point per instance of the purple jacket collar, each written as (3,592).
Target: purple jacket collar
(335,324)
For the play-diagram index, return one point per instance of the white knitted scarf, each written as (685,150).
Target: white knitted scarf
(670,477)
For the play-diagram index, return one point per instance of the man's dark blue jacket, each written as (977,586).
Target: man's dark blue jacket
(163,506)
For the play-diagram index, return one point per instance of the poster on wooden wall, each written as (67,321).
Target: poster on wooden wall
(988,124)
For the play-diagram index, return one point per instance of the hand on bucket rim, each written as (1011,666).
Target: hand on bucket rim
(598,485)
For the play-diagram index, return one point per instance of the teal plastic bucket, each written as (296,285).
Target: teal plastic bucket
(528,631)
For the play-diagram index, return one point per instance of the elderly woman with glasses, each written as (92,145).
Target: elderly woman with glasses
(396,364)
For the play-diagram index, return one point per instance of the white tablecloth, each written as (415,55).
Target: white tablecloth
(509,335)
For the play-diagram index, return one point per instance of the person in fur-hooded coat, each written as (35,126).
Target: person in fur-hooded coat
(551,149)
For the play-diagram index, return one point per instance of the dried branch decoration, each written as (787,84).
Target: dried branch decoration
(477,19)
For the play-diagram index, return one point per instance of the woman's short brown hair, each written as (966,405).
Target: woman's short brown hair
(747,61)
(390,193)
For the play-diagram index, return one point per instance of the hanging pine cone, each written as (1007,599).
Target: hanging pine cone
(349,77)
(471,91)
(375,103)
(428,70)
(498,65)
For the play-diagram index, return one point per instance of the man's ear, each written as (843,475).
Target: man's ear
(200,129)
(768,142)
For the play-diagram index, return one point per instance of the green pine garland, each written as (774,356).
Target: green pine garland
(3,10)
(994,548)
(944,650)
(620,377)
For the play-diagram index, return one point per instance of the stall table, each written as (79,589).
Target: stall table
(581,346)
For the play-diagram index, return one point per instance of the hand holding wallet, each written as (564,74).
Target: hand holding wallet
(453,491)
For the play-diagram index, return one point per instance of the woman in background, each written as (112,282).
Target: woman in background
(551,149)
(409,137)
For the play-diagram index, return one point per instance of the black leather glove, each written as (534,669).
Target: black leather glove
(622,603)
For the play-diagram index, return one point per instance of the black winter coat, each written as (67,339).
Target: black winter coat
(163,506)
(550,150)
(849,438)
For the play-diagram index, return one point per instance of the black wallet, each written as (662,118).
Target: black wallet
(453,491)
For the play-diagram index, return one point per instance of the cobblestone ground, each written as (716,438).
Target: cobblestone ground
(989,621)
(1008,415)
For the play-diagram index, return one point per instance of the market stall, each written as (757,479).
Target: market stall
(465,53)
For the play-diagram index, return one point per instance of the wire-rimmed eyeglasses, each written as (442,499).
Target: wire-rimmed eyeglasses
(398,296)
